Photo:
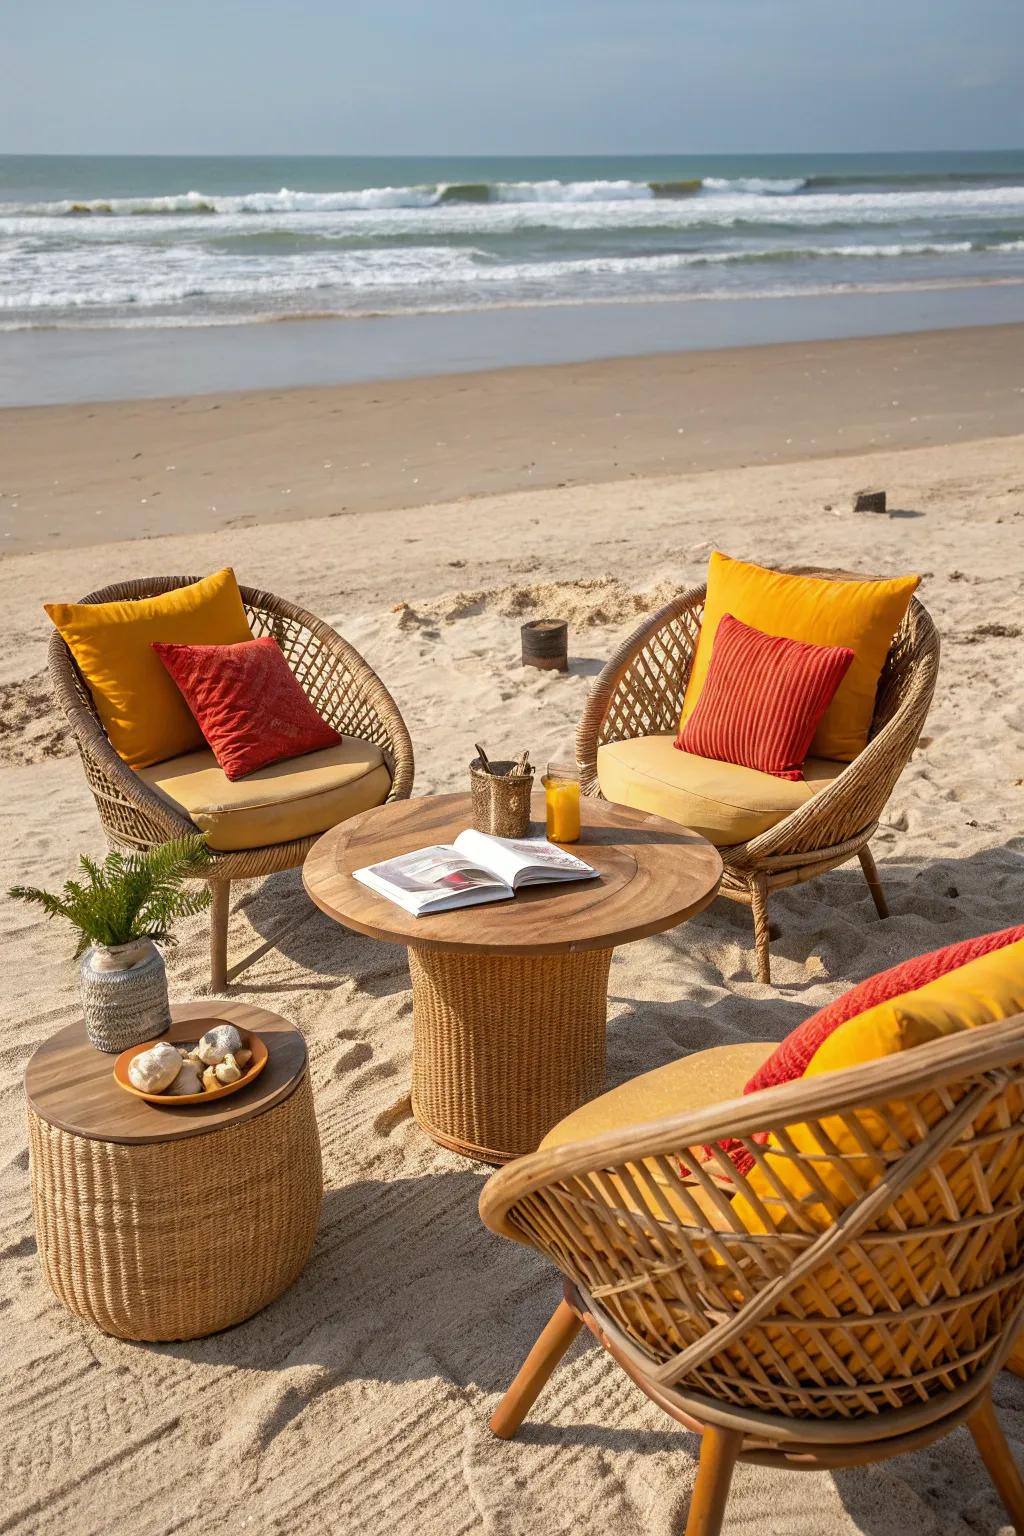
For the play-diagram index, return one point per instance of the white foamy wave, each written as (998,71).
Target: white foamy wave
(95,278)
(572,191)
(284,201)
(764,184)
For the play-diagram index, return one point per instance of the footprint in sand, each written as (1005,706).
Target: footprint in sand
(356,1055)
(386,1121)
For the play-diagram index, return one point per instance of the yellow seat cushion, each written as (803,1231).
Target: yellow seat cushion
(137,700)
(863,615)
(296,798)
(724,802)
(703,1078)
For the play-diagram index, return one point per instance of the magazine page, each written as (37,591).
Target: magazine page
(522,860)
(434,877)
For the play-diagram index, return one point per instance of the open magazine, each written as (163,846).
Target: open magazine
(473,869)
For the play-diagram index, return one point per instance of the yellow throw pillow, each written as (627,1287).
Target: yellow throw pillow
(982,992)
(883,1278)
(142,712)
(863,615)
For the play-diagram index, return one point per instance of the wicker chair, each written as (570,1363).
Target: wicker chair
(347,693)
(783,1340)
(640,693)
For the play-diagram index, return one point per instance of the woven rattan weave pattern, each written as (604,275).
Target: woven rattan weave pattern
(805,1327)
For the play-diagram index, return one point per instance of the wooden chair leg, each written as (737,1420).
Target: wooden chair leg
(998,1458)
(762,934)
(219,910)
(718,1452)
(535,1372)
(867,864)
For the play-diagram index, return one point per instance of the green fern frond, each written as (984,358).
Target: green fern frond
(129,896)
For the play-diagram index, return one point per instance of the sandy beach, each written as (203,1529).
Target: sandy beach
(426,519)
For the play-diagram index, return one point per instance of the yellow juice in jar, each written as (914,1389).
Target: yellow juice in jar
(562,800)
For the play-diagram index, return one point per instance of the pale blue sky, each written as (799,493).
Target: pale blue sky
(534,76)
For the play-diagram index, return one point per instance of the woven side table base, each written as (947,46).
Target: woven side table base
(178,1239)
(504,1046)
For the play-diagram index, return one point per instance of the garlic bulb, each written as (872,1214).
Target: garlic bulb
(187,1080)
(228,1070)
(223,1040)
(155,1069)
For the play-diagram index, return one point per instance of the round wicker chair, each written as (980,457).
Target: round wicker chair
(817,1331)
(640,693)
(346,692)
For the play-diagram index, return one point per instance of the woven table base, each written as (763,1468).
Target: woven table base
(505,1046)
(178,1239)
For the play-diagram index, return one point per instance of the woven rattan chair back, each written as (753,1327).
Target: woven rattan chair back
(815,1285)
(640,693)
(346,692)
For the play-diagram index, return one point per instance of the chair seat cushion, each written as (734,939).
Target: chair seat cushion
(692,1082)
(277,804)
(724,802)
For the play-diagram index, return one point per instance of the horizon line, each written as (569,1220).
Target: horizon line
(589,154)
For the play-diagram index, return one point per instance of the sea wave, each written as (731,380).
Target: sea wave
(177,274)
(197,320)
(853,190)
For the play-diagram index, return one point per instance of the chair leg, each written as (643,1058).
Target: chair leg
(867,864)
(535,1371)
(219,909)
(759,907)
(998,1458)
(718,1452)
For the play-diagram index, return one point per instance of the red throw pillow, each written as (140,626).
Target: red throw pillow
(246,703)
(762,699)
(790,1059)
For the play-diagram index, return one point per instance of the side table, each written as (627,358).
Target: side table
(170,1223)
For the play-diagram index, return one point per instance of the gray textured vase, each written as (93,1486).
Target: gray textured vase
(124,994)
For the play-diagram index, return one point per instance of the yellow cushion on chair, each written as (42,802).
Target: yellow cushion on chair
(725,803)
(692,1082)
(299,797)
(863,615)
(981,992)
(137,700)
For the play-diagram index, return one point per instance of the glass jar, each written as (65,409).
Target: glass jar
(562,801)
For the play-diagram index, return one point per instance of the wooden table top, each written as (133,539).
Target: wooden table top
(71,1085)
(653,875)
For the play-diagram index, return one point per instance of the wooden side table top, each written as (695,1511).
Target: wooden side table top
(653,875)
(71,1085)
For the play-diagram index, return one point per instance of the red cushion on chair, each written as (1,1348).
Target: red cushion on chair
(763,699)
(790,1059)
(246,702)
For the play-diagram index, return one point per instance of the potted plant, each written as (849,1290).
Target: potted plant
(124,908)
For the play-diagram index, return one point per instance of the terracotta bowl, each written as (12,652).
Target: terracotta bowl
(250,1041)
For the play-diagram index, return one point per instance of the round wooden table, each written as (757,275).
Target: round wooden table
(162,1222)
(510,1000)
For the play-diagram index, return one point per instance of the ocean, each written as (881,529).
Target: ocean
(139,242)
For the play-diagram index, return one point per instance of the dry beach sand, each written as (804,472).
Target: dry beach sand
(358,1403)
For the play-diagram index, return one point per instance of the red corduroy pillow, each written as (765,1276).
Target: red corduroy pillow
(790,1059)
(246,702)
(762,699)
